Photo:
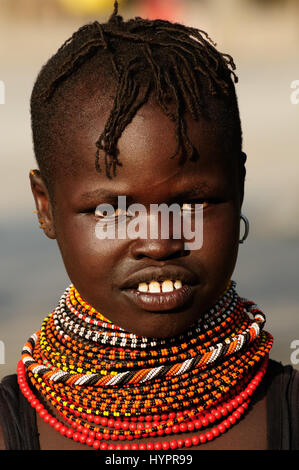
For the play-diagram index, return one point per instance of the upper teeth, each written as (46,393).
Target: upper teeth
(156,286)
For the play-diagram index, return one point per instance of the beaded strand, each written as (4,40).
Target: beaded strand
(231,411)
(108,384)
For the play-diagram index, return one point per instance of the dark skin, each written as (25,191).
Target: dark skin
(98,267)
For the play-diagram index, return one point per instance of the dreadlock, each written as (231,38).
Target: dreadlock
(178,64)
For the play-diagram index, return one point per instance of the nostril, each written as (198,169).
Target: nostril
(158,249)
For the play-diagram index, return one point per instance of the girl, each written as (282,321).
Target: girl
(151,347)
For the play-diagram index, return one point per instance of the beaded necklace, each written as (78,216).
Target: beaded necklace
(111,385)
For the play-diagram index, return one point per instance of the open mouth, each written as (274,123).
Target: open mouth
(156,287)
(158,296)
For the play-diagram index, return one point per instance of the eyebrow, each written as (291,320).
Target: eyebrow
(99,193)
(202,187)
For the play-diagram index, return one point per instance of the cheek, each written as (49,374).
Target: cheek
(86,257)
(221,239)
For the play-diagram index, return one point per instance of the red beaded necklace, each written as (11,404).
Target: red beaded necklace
(202,379)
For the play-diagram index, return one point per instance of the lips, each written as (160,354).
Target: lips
(160,274)
(161,301)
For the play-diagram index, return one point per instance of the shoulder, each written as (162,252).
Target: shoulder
(283,377)
(17,417)
(9,392)
(283,405)
(283,385)
(2,444)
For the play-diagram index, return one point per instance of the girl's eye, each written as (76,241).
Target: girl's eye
(186,207)
(117,213)
(191,206)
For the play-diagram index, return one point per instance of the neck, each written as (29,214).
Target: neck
(87,367)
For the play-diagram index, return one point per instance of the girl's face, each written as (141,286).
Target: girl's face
(102,270)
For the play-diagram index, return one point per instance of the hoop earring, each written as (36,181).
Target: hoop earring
(246,221)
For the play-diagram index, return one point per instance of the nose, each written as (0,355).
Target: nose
(158,246)
(160,249)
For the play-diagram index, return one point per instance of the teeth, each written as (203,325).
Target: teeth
(178,284)
(167,286)
(155,286)
(143,287)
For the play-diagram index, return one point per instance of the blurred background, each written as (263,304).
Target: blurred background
(263,38)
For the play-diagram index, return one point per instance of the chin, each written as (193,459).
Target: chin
(165,325)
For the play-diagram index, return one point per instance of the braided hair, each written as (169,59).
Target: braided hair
(179,65)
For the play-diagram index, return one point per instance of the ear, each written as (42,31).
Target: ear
(43,203)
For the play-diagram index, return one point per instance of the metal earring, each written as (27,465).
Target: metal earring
(246,222)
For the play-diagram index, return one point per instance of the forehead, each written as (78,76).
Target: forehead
(145,148)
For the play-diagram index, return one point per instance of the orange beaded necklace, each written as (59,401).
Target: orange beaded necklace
(110,385)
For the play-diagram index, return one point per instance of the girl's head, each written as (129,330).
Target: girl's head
(145,109)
